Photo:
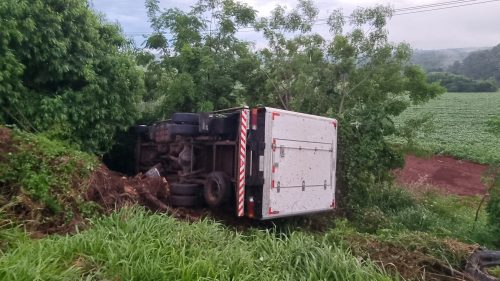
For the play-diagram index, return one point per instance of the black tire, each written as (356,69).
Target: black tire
(217,189)
(141,129)
(183,129)
(186,118)
(185,200)
(185,189)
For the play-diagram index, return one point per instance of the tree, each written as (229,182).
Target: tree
(356,76)
(202,64)
(483,64)
(295,67)
(460,83)
(64,70)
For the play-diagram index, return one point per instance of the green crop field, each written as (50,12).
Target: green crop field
(460,125)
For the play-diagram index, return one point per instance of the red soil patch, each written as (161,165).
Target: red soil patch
(445,173)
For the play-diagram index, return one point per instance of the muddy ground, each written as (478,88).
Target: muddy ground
(447,174)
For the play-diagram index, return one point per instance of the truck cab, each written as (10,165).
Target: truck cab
(261,163)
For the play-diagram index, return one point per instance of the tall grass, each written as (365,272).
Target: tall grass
(135,245)
(446,216)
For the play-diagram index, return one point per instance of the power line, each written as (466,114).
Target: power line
(431,7)
(425,8)
(434,5)
(444,8)
(398,12)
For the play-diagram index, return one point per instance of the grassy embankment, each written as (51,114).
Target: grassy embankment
(400,234)
(133,244)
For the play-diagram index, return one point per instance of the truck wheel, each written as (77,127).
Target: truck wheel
(183,129)
(141,129)
(216,190)
(188,118)
(185,200)
(185,189)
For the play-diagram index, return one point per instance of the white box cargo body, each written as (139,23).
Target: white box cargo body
(262,163)
(297,164)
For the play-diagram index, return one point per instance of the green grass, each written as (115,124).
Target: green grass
(136,245)
(133,244)
(445,216)
(397,210)
(462,125)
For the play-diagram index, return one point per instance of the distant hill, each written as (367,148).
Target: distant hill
(483,64)
(440,60)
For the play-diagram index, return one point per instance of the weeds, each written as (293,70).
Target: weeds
(398,209)
(136,245)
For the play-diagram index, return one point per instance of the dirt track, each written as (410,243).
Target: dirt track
(445,173)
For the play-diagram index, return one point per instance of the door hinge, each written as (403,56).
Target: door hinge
(282,151)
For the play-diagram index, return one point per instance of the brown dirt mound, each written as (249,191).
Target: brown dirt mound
(112,191)
(447,174)
(109,189)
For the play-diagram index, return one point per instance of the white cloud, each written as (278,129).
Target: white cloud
(470,26)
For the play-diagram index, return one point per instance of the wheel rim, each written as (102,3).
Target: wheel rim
(214,189)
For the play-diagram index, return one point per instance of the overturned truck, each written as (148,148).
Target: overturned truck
(261,163)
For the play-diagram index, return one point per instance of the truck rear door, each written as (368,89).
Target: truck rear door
(299,165)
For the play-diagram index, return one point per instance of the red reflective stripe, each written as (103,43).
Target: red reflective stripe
(271,212)
(242,162)
(275,114)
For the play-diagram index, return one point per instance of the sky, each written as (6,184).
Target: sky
(462,27)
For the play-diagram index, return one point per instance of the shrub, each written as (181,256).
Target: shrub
(63,67)
(371,219)
(42,180)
